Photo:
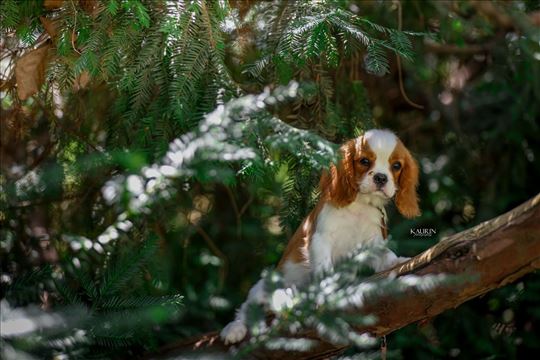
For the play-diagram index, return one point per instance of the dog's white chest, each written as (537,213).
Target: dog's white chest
(345,229)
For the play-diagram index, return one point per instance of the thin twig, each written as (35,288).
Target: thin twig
(233,201)
(216,251)
(400,72)
(238,213)
(73,30)
(246,205)
(451,49)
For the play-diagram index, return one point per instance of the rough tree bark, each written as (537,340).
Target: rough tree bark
(494,253)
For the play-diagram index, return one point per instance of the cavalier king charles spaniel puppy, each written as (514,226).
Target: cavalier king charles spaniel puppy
(373,169)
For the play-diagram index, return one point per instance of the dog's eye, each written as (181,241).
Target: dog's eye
(364,161)
(396,166)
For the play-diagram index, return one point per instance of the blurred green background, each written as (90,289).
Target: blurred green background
(93,93)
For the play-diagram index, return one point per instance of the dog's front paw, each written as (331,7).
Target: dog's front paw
(234,332)
(387,261)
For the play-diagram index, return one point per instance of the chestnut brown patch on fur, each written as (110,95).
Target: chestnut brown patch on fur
(297,250)
(407,181)
(339,185)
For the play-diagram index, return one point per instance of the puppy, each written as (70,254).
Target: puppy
(373,169)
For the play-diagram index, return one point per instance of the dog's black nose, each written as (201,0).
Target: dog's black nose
(380,179)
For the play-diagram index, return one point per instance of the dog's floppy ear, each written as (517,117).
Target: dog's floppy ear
(406,197)
(338,184)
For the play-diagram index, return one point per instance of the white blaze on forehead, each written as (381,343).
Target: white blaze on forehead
(382,143)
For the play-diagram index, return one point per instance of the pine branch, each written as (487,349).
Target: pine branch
(122,271)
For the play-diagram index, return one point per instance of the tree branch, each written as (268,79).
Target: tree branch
(451,49)
(495,253)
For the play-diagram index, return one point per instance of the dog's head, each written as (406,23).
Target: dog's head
(378,166)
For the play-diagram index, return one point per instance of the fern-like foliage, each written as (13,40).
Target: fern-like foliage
(25,288)
(323,33)
(146,103)
(104,310)
(123,270)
